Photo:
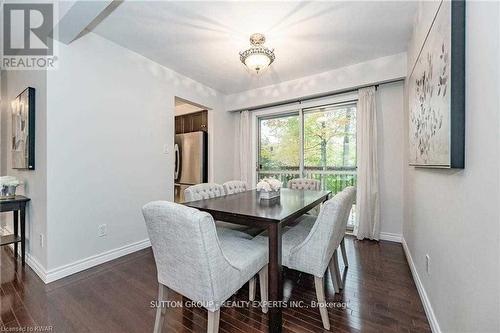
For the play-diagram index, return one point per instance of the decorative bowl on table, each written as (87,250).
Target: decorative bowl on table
(8,186)
(269,188)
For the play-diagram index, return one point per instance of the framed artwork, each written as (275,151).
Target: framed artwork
(437,93)
(23,130)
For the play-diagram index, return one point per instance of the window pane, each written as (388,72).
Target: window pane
(330,138)
(279,143)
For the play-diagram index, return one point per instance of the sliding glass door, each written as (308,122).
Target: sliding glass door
(279,147)
(317,143)
(330,146)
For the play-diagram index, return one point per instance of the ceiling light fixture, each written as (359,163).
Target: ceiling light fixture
(257,57)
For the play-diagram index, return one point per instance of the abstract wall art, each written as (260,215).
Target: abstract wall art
(23,130)
(436,92)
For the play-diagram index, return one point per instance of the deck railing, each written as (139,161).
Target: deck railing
(332,180)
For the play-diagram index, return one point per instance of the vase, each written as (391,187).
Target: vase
(268,195)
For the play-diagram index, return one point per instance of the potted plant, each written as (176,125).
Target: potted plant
(8,186)
(269,188)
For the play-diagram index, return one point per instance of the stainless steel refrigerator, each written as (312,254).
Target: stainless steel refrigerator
(191,162)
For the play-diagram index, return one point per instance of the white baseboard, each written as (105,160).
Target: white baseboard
(83,264)
(36,267)
(57,273)
(388,236)
(32,262)
(421,291)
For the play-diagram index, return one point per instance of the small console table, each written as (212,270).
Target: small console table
(17,205)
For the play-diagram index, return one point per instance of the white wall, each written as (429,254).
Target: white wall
(453,215)
(186,108)
(110,114)
(35,181)
(224,147)
(350,77)
(102,120)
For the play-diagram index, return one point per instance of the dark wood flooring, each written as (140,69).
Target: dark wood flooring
(379,295)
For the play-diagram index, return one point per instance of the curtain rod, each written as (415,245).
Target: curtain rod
(304,99)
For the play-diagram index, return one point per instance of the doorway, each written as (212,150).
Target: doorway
(190,146)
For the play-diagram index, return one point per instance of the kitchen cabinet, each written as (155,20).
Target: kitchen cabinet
(191,122)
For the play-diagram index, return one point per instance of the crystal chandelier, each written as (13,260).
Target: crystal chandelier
(257,57)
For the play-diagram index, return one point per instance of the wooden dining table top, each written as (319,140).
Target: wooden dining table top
(249,207)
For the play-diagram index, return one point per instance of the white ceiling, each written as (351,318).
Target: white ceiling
(201,40)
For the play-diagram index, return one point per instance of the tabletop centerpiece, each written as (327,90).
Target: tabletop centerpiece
(8,186)
(269,188)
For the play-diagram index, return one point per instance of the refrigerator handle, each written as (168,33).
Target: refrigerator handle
(177,161)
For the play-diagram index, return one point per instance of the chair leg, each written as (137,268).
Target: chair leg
(213,321)
(160,311)
(337,269)
(333,274)
(263,288)
(344,253)
(251,288)
(320,294)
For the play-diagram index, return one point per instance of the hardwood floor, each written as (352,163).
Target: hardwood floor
(379,296)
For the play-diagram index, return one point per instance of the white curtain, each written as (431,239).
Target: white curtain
(367,197)
(245,148)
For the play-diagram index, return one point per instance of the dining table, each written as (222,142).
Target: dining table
(247,208)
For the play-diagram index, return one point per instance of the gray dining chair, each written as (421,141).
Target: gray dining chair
(194,261)
(207,191)
(203,191)
(306,184)
(351,193)
(235,186)
(212,190)
(310,246)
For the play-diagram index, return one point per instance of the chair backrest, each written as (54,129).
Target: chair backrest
(234,186)
(203,191)
(187,252)
(350,191)
(324,237)
(304,184)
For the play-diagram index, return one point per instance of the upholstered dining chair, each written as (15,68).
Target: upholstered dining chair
(311,246)
(351,193)
(194,261)
(235,186)
(306,184)
(308,223)
(213,190)
(203,191)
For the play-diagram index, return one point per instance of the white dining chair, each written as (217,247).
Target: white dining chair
(310,246)
(194,261)
(235,186)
